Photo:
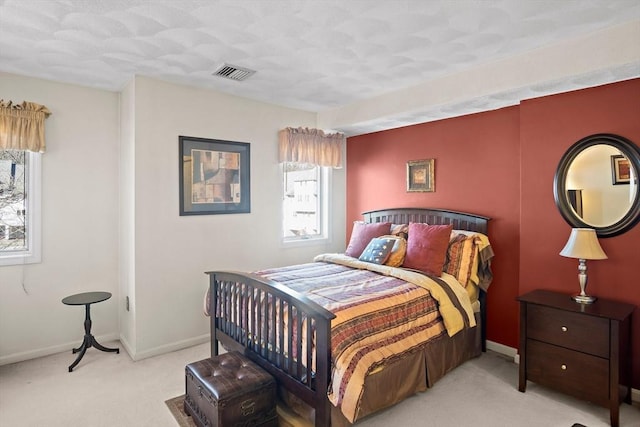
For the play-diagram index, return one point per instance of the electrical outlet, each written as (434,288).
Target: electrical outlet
(127,302)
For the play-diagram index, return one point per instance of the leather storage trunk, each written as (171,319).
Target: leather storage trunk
(229,390)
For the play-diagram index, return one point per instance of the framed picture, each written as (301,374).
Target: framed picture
(620,170)
(214,176)
(420,175)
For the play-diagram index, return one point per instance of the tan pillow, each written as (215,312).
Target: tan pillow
(396,257)
(460,258)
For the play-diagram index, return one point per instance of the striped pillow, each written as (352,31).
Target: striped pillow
(401,230)
(460,258)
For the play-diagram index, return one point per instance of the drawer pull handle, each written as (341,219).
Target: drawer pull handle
(563,367)
(564,329)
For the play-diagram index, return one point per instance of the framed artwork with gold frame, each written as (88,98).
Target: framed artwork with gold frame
(421,176)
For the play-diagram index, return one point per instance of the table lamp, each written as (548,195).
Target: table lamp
(583,244)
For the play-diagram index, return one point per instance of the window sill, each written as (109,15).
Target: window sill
(312,241)
(19,259)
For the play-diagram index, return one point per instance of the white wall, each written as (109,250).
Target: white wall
(79,224)
(172,252)
(126,173)
(111,219)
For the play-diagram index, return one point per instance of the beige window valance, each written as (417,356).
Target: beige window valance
(22,126)
(304,145)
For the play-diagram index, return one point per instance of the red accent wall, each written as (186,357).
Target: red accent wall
(501,164)
(548,127)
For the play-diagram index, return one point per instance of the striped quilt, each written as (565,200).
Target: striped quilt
(381,313)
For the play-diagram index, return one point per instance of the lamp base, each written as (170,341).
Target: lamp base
(583,299)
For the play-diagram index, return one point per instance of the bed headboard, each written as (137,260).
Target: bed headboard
(460,220)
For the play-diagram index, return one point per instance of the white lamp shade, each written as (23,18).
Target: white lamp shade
(583,244)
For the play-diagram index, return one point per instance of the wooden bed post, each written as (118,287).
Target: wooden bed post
(323,342)
(213,303)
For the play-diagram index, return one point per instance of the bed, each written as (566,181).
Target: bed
(287,330)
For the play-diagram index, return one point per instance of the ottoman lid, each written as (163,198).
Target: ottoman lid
(229,375)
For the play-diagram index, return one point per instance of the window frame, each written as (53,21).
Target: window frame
(33,227)
(324,201)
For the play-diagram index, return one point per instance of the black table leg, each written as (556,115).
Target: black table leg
(100,347)
(75,350)
(89,340)
(82,349)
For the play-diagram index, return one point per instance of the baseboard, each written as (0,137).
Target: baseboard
(156,351)
(513,353)
(41,352)
(504,349)
(34,354)
(126,346)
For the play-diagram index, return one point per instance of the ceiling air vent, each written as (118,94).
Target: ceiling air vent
(233,72)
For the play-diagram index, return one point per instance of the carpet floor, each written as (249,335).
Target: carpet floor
(488,386)
(107,390)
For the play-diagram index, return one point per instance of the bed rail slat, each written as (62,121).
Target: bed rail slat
(273,344)
(298,344)
(290,359)
(309,351)
(280,333)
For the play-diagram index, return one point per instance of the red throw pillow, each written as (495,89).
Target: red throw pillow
(427,247)
(362,234)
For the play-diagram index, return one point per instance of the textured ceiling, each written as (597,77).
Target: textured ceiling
(309,54)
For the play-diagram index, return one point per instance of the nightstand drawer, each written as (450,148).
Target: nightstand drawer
(581,375)
(588,334)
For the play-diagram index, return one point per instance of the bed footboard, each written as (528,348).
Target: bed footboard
(270,324)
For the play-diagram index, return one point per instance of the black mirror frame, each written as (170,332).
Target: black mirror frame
(630,151)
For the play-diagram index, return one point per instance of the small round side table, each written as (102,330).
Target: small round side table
(86,299)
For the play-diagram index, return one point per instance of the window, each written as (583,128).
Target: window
(19,207)
(305,201)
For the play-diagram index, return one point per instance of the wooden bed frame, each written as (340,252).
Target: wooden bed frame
(243,322)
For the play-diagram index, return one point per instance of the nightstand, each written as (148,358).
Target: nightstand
(579,349)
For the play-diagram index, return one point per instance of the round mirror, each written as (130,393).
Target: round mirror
(596,184)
